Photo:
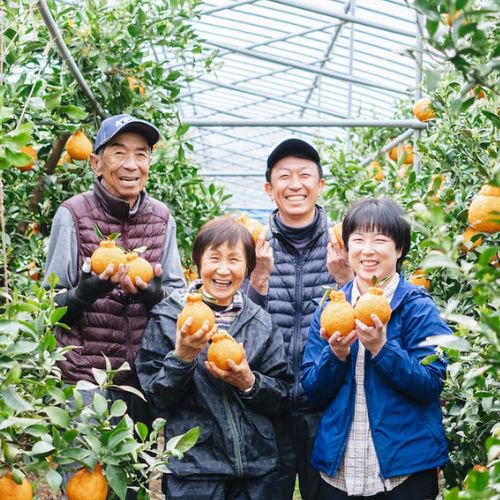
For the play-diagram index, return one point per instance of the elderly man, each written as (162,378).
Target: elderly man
(108,313)
(298,258)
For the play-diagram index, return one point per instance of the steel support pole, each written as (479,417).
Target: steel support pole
(419,56)
(413,124)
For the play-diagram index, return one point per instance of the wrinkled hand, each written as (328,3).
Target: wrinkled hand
(341,346)
(239,376)
(372,337)
(92,286)
(149,293)
(264,263)
(187,346)
(337,263)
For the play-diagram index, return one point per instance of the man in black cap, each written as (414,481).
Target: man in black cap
(298,258)
(107,313)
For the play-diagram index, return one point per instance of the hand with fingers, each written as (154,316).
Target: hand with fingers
(149,293)
(337,263)
(239,376)
(188,346)
(264,263)
(372,337)
(340,345)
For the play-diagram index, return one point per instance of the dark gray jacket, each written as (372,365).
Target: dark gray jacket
(237,437)
(295,288)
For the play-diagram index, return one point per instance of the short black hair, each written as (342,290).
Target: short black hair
(224,229)
(379,214)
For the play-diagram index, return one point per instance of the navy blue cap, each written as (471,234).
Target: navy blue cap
(125,123)
(292,146)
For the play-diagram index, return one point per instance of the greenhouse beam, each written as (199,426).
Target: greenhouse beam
(344,17)
(306,67)
(413,124)
(67,57)
(228,6)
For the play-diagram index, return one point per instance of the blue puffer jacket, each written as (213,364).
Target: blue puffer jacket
(402,395)
(295,286)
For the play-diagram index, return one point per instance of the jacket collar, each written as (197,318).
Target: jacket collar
(114,205)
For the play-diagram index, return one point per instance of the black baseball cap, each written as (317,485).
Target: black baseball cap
(292,146)
(122,123)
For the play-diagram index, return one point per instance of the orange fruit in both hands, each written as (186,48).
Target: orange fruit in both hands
(418,279)
(337,232)
(222,348)
(78,146)
(30,151)
(10,490)
(198,310)
(139,267)
(375,171)
(422,110)
(469,245)
(372,302)
(254,226)
(107,253)
(338,315)
(85,485)
(484,210)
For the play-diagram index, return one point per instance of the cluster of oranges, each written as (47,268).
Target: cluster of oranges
(339,315)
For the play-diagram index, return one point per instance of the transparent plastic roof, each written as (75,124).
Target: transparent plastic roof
(286,62)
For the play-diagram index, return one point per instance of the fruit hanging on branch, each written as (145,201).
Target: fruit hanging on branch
(79,146)
(30,151)
(418,278)
(85,485)
(484,210)
(373,302)
(223,347)
(422,110)
(468,245)
(254,226)
(196,309)
(11,490)
(338,315)
(375,171)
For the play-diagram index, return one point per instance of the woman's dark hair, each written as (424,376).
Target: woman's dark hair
(379,214)
(222,230)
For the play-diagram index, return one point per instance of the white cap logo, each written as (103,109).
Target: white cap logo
(123,121)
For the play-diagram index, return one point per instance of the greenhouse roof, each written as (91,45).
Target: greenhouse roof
(293,67)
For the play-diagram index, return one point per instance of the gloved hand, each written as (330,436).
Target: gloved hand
(152,294)
(91,287)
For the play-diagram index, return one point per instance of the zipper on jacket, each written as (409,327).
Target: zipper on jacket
(295,341)
(234,432)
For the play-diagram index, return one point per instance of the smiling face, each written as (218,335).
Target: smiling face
(124,165)
(223,270)
(372,254)
(295,188)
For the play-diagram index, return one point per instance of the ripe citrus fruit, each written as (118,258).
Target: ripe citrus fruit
(222,348)
(372,302)
(254,226)
(408,150)
(10,490)
(134,84)
(469,245)
(30,151)
(107,253)
(85,485)
(375,171)
(418,279)
(484,210)
(338,315)
(422,110)
(139,267)
(198,310)
(78,146)
(436,186)
(393,153)
(337,232)
(190,275)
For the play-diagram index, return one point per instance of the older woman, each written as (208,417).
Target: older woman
(236,455)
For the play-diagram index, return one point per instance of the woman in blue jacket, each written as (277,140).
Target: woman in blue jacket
(236,455)
(381,434)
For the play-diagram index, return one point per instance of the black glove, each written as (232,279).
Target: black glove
(89,289)
(152,294)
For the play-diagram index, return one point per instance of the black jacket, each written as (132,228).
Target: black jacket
(236,430)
